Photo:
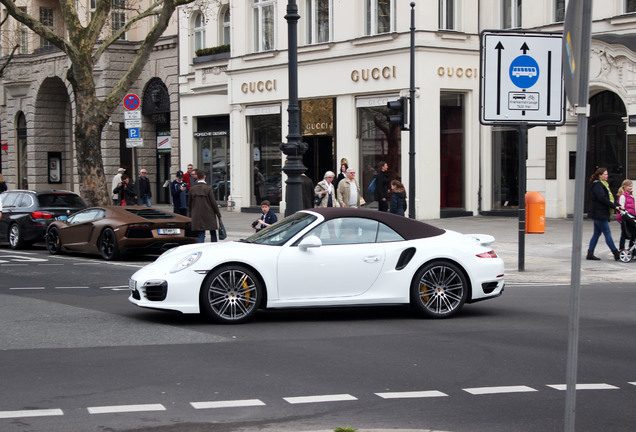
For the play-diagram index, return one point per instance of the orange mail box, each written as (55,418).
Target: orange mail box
(535,213)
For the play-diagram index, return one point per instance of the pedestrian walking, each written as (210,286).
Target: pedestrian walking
(115,183)
(203,207)
(601,201)
(126,192)
(188,176)
(325,191)
(307,191)
(179,193)
(626,200)
(382,187)
(398,198)
(349,191)
(143,188)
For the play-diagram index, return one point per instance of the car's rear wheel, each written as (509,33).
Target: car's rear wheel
(108,245)
(16,241)
(231,294)
(439,289)
(53,241)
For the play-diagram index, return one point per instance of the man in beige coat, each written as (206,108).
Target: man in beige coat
(349,191)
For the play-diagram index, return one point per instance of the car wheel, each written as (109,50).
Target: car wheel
(230,294)
(15,237)
(626,255)
(53,241)
(439,289)
(108,245)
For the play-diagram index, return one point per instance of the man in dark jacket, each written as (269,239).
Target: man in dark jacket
(143,185)
(382,187)
(179,192)
(126,192)
(203,207)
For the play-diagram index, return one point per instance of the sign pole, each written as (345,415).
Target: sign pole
(523,139)
(412,119)
(577,27)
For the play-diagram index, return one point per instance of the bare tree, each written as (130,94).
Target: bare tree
(83,45)
(5,62)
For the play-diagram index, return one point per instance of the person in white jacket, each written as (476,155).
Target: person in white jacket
(325,191)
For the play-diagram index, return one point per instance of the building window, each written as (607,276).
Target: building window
(264,135)
(447,13)
(630,6)
(47,18)
(264,25)
(198,32)
(118,17)
(510,14)
(318,21)
(226,26)
(451,147)
(92,6)
(24,36)
(559,10)
(379,16)
(378,141)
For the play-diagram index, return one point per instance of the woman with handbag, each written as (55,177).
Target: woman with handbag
(325,192)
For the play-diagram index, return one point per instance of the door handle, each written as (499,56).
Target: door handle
(371,259)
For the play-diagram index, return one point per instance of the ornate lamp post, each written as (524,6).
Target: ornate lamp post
(294,148)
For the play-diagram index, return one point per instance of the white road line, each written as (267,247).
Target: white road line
(73,287)
(227,404)
(499,390)
(125,408)
(601,386)
(14,265)
(27,288)
(114,287)
(31,413)
(320,398)
(51,264)
(411,394)
(632,383)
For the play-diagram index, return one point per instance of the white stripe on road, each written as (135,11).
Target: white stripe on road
(411,394)
(125,408)
(114,287)
(601,386)
(499,390)
(227,404)
(31,413)
(320,398)
(73,287)
(27,288)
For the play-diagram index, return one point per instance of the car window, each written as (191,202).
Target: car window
(24,200)
(86,216)
(60,200)
(279,233)
(386,234)
(8,199)
(342,231)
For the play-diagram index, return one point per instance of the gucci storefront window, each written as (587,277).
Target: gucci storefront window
(505,169)
(213,157)
(379,141)
(264,135)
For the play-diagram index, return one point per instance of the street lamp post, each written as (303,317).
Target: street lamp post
(294,148)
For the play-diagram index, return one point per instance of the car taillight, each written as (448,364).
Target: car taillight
(139,226)
(41,215)
(489,254)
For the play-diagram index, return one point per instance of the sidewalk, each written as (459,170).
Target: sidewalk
(547,256)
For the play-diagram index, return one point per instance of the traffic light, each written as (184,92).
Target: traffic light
(399,116)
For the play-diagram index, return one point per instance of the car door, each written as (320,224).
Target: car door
(77,233)
(346,264)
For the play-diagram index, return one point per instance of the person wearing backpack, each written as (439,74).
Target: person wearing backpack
(382,187)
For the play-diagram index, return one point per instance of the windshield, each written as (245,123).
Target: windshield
(279,233)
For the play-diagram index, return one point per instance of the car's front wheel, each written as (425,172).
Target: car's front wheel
(439,289)
(16,241)
(53,241)
(108,245)
(230,294)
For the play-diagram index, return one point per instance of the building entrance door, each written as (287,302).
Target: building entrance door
(319,157)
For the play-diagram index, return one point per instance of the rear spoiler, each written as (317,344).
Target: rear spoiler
(482,239)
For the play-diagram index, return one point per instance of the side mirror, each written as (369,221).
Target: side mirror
(309,242)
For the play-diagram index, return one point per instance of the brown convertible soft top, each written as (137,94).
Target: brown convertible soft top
(408,228)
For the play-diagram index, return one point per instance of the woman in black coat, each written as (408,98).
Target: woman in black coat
(601,201)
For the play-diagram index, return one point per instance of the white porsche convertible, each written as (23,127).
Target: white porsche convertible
(325,257)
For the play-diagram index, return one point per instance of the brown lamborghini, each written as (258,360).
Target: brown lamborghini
(112,231)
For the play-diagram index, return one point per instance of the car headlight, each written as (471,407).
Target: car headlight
(186,262)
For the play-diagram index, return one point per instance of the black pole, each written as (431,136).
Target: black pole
(523,138)
(294,149)
(412,120)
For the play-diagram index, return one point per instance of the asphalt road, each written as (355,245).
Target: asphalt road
(75,355)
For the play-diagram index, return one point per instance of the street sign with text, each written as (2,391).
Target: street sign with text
(521,78)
